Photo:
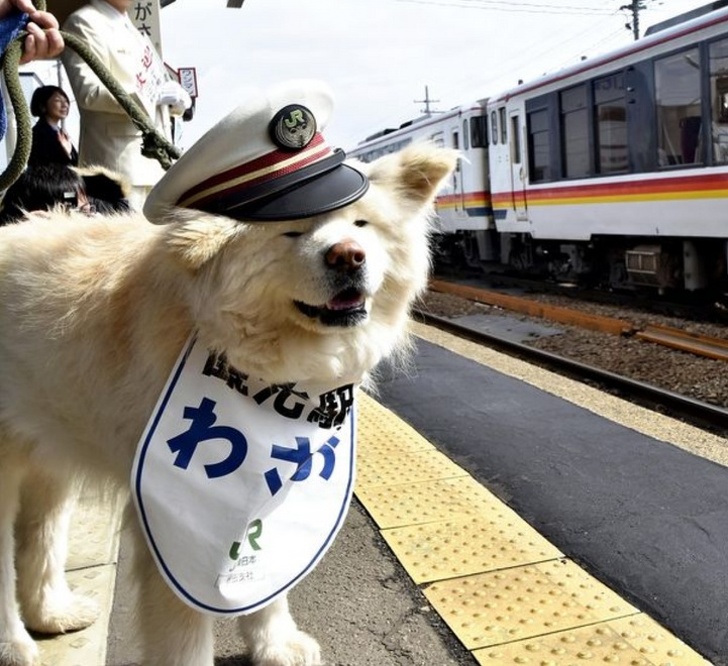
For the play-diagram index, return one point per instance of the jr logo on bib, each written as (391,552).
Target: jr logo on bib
(240,486)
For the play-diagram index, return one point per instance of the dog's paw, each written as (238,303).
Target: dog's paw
(299,649)
(78,612)
(19,652)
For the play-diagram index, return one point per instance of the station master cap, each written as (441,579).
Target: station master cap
(266,160)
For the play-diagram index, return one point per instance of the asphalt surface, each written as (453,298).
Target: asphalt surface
(647,518)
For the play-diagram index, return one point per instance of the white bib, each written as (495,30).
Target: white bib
(240,486)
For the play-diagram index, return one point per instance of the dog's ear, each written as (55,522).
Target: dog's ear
(196,238)
(419,170)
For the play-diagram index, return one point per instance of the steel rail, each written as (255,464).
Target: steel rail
(696,412)
(698,345)
(533,308)
(692,343)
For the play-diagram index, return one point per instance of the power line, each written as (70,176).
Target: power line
(548,5)
(538,52)
(495,5)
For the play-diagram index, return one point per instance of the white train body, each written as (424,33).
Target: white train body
(463,207)
(614,170)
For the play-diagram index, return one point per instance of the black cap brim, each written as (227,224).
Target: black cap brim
(319,188)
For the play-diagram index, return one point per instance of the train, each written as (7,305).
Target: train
(611,173)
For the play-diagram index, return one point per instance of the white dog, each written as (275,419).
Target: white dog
(93,314)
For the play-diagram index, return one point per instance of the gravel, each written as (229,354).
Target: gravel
(700,378)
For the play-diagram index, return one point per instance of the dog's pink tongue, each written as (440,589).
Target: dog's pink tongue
(345,302)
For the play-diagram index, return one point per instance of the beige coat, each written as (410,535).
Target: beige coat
(108,137)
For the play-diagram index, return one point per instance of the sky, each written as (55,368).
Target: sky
(378,56)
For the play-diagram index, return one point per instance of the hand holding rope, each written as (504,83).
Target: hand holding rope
(154,144)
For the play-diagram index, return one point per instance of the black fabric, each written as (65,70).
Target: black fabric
(47,149)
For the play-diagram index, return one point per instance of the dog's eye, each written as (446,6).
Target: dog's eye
(361,223)
(293,234)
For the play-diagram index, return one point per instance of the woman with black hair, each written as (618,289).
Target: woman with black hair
(51,144)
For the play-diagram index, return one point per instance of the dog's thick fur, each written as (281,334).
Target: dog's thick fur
(93,314)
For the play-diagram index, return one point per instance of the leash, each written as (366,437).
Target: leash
(154,144)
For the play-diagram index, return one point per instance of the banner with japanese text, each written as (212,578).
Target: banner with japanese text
(145,15)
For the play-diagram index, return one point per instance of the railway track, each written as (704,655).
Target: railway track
(674,338)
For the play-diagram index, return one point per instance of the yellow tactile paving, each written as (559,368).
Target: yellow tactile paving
(651,641)
(632,641)
(385,433)
(91,570)
(428,502)
(524,602)
(507,594)
(377,469)
(437,551)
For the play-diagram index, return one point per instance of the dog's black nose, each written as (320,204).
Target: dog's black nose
(346,256)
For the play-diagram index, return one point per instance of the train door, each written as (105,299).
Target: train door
(446,213)
(518,167)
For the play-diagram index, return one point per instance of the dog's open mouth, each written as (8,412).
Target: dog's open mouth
(347,308)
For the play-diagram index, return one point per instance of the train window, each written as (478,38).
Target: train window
(719,100)
(493,128)
(438,138)
(679,108)
(610,115)
(515,140)
(456,146)
(539,146)
(479,131)
(503,126)
(575,130)
(466,135)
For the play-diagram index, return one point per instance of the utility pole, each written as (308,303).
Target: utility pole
(635,7)
(427,101)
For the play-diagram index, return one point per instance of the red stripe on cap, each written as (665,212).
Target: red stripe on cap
(265,163)
(221,191)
